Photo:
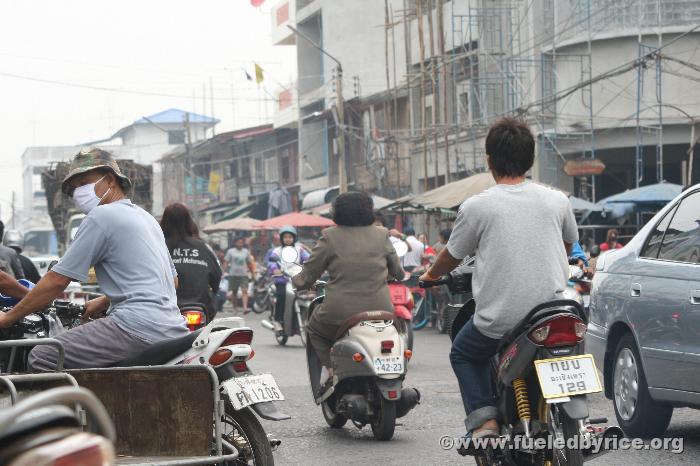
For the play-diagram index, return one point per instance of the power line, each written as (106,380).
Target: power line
(124,91)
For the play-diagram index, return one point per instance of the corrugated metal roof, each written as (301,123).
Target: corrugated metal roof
(175,115)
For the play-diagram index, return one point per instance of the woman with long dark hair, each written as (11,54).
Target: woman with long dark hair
(198,270)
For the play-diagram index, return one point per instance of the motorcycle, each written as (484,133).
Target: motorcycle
(225,345)
(402,299)
(264,294)
(296,303)
(579,286)
(369,362)
(42,430)
(60,316)
(542,378)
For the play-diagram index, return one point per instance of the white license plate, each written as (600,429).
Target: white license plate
(388,365)
(562,377)
(252,389)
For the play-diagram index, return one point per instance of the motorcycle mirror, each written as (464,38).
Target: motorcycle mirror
(401,248)
(289,254)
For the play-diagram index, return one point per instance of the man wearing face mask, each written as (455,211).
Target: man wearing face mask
(126,247)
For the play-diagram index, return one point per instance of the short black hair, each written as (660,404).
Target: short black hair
(354,209)
(511,147)
(409,231)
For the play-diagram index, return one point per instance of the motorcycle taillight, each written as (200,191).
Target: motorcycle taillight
(562,330)
(193,317)
(239,337)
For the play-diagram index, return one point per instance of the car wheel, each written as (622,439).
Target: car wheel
(637,413)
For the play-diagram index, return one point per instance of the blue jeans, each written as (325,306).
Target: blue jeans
(470,357)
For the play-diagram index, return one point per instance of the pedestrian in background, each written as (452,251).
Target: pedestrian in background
(13,239)
(611,241)
(444,236)
(240,265)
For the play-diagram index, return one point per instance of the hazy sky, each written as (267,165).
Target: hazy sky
(145,47)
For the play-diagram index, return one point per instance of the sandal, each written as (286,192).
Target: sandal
(469,447)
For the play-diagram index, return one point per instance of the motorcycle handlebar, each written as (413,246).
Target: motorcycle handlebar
(443,281)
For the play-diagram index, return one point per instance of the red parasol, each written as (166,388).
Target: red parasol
(295,219)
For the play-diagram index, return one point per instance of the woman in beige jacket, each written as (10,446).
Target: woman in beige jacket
(359,258)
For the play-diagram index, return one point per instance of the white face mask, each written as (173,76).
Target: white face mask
(85,198)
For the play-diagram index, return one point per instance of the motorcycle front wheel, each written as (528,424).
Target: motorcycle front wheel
(243,430)
(261,303)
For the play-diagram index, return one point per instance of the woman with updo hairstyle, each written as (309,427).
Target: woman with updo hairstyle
(358,257)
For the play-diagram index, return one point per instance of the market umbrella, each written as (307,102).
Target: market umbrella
(295,219)
(579,205)
(234,224)
(453,194)
(660,193)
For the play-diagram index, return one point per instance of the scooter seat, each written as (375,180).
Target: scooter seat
(362,317)
(160,353)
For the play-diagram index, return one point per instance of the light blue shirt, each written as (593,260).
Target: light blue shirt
(125,245)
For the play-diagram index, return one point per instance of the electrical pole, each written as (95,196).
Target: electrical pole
(188,167)
(340,108)
(343,179)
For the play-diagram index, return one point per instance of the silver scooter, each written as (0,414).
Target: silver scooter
(296,303)
(369,362)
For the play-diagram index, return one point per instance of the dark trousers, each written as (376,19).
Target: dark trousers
(470,357)
(280,295)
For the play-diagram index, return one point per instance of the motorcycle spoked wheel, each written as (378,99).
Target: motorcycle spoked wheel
(551,415)
(243,430)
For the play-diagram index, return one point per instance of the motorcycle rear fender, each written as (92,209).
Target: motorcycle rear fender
(268,410)
(390,385)
(516,360)
(576,408)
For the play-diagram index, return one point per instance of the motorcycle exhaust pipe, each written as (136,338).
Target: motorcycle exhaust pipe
(410,397)
(267,324)
(608,432)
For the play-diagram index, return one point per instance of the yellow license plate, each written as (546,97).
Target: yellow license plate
(569,376)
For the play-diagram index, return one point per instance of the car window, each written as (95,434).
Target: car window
(682,239)
(651,248)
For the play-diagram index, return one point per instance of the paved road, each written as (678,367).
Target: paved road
(306,439)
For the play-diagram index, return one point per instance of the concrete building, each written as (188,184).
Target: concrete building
(144,141)
(233,173)
(421,94)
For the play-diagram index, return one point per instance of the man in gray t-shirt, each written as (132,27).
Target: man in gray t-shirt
(520,233)
(126,247)
(238,264)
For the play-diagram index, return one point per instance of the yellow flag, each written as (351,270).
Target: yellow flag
(215,179)
(258,74)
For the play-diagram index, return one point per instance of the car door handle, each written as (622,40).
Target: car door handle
(635,290)
(695,297)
